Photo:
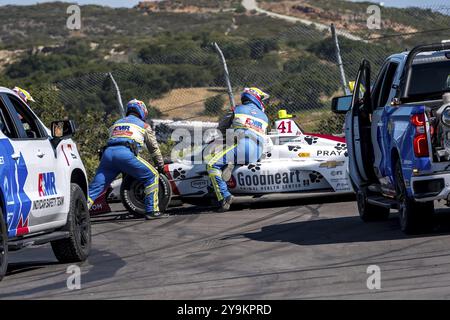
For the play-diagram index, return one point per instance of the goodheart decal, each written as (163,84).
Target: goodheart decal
(283,181)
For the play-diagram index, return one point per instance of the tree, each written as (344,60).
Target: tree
(214,105)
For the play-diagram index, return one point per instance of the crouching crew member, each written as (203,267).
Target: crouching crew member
(121,155)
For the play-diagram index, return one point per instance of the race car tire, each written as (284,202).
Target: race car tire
(132,195)
(415,217)
(3,246)
(369,212)
(77,246)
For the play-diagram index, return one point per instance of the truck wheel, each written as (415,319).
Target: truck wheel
(369,212)
(414,216)
(3,246)
(77,246)
(132,195)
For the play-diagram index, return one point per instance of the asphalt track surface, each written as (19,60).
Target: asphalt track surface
(289,249)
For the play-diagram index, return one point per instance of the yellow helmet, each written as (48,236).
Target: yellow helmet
(256,96)
(23,94)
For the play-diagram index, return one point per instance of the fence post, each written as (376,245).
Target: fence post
(119,97)
(339,60)
(227,75)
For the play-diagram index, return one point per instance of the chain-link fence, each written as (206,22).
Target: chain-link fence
(298,67)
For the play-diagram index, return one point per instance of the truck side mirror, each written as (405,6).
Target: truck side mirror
(63,129)
(341,105)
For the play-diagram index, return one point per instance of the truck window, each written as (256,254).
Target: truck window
(387,84)
(430,79)
(28,120)
(6,124)
(376,90)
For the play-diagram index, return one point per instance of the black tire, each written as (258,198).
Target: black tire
(3,246)
(415,217)
(369,212)
(77,246)
(132,195)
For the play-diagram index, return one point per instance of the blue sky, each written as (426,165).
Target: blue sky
(131,3)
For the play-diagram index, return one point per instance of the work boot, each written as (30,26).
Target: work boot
(225,204)
(155,215)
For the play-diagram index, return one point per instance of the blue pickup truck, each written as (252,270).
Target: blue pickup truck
(398,136)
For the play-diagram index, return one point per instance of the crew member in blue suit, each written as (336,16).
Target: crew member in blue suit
(127,137)
(248,123)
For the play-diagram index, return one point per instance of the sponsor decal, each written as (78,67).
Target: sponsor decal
(199,184)
(267,155)
(254,124)
(337,173)
(122,130)
(294,148)
(254,167)
(338,180)
(97,206)
(341,146)
(342,187)
(100,205)
(316,177)
(277,181)
(327,153)
(304,155)
(46,184)
(179,174)
(311,140)
(331,164)
(48,203)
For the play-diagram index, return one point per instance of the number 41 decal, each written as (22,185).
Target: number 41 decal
(282,127)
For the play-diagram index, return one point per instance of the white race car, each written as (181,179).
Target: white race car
(293,162)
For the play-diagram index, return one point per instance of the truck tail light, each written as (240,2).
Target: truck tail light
(420,142)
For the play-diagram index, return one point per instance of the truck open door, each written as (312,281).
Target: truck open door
(358,130)
(358,110)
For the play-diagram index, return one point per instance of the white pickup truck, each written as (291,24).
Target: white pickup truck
(43,185)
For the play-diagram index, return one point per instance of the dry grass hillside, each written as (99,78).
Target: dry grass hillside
(350,20)
(186,103)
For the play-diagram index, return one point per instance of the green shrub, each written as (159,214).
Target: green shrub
(240,8)
(214,105)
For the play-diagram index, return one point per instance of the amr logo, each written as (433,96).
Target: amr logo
(46,184)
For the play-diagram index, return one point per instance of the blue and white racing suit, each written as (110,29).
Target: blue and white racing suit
(249,123)
(127,137)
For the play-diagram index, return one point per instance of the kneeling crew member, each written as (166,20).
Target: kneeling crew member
(249,124)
